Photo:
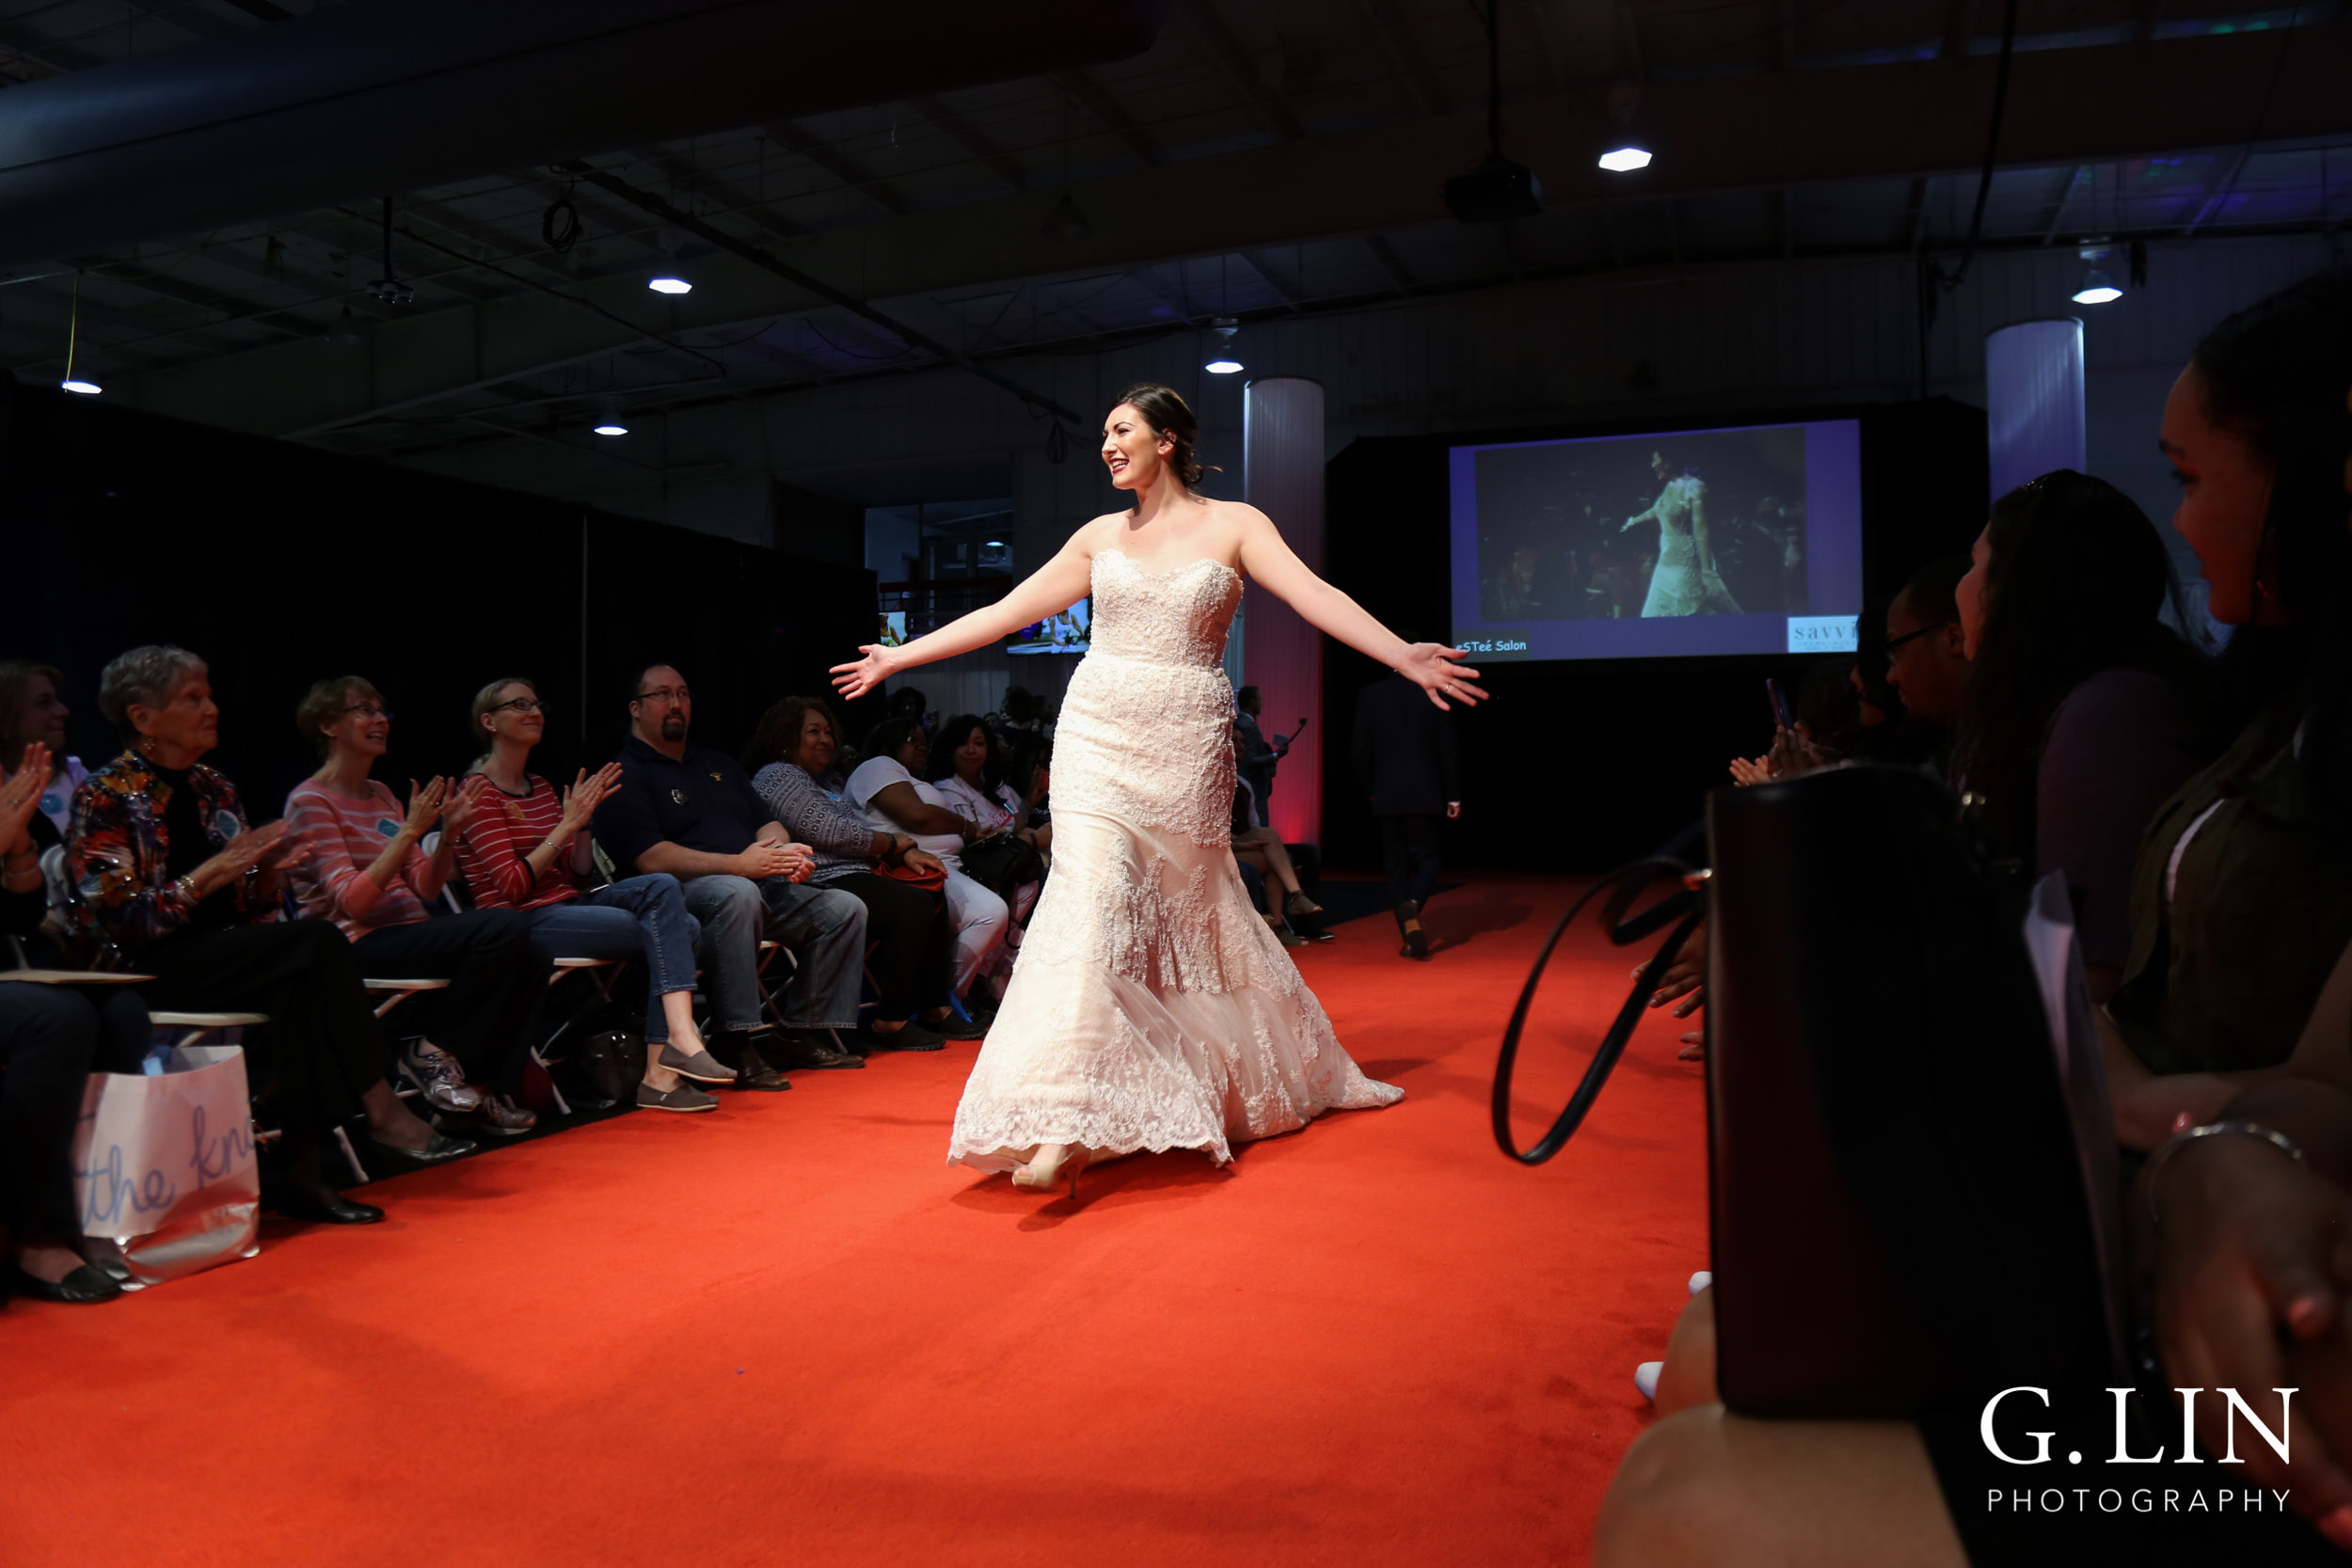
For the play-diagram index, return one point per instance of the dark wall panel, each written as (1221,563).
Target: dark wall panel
(283,565)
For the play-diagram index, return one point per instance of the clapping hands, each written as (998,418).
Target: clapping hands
(20,797)
(587,793)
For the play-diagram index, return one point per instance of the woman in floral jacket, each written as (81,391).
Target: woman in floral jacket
(171,882)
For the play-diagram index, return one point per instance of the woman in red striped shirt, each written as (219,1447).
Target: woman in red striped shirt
(528,849)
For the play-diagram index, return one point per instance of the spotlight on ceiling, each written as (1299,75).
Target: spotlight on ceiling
(1626,159)
(611,427)
(1629,144)
(666,284)
(87,388)
(2097,288)
(1221,360)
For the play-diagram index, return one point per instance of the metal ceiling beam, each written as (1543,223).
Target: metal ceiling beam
(2067,105)
(1411,72)
(2057,208)
(839,165)
(968,138)
(2217,193)
(1390,264)
(1288,290)
(1109,115)
(1239,69)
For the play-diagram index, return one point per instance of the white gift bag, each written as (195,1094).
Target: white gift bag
(163,1164)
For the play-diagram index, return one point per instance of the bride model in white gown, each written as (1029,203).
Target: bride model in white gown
(1151,1007)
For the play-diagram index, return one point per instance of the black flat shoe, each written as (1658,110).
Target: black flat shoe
(911,1037)
(329,1208)
(442,1149)
(806,1050)
(956,1028)
(84,1287)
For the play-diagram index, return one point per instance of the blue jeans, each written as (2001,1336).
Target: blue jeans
(642,917)
(823,928)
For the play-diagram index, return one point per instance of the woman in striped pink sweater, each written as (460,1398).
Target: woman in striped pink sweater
(370,873)
(526,848)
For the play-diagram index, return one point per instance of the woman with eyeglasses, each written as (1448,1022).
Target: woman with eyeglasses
(527,848)
(372,874)
(169,878)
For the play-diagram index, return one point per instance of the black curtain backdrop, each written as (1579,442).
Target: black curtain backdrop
(1578,766)
(282,566)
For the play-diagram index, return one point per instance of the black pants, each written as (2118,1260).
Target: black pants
(914,966)
(1408,845)
(322,1049)
(52,1038)
(498,977)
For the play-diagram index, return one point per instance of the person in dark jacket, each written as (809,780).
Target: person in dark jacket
(1407,762)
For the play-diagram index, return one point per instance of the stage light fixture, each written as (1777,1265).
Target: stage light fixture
(1221,359)
(2097,287)
(1625,159)
(667,284)
(611,427)
(1629,144)
(344,332)
(73,342)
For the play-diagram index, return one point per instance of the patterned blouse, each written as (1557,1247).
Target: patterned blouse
(117,855)
(842,838)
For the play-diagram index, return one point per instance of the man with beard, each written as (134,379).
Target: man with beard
(689,810)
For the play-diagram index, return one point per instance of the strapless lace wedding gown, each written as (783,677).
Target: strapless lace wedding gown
(1151,1007)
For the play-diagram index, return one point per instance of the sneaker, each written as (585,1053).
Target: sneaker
(500,1117)
(436,1076)
(682,1096)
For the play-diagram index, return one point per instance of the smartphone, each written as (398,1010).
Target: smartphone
(1779,699)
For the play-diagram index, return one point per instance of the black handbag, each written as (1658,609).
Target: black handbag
(1002,864)
(1898,1204)
(604,1070)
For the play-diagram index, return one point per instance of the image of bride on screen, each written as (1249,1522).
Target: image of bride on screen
(1687,580)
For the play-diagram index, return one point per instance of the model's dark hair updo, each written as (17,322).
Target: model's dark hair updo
(1166,411)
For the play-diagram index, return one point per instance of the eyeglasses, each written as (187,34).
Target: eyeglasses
(371,710)
(678,696)
(1894,643)
(524,704)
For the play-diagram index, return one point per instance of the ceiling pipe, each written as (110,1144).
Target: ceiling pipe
(347,103)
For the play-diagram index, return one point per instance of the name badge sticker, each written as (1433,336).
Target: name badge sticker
(389,827)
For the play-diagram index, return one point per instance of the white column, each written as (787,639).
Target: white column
(1283,476)
(2033,400)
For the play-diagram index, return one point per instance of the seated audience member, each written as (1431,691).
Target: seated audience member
(369,872)
(170,881)
(913,958)
(1263,848)
(527,848)
(1828,725)
(1926,661)
(52,1038)
(687,812)
(971,778)
(889,787)
(2240,1249)
(31,710)
(2242,895)
(2078,719)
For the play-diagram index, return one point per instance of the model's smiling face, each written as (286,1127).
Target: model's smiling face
(1130,451)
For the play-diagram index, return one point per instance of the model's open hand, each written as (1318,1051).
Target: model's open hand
(878,665)
(463,802)
(1439,671)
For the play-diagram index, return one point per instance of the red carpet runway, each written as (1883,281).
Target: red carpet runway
(786,1333)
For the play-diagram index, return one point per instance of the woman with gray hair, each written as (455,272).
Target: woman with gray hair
(170,881)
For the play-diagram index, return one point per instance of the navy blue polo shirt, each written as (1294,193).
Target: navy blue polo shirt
(700,802)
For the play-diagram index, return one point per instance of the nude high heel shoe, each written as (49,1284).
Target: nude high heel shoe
(1038,1175)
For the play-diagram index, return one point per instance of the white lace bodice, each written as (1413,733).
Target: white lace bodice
(1173,617)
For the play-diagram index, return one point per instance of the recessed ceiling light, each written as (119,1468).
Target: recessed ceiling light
(668,285)
(1222,367)
(2097,290)
(1625,160)
(611,427)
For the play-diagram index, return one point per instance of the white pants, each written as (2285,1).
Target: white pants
(980,920)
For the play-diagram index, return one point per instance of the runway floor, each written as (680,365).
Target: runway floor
(786,1333)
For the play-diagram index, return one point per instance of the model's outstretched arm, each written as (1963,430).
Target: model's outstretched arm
(1275,567)
(1648,515)
(1048,591)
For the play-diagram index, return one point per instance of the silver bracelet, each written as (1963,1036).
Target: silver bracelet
(2178,1141)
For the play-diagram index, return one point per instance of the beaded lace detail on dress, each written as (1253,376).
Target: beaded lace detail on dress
(1151,1006)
